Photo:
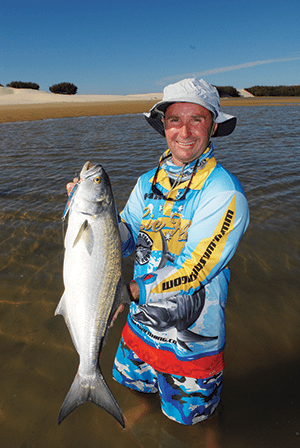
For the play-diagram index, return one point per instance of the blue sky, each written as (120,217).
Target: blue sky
(139,46)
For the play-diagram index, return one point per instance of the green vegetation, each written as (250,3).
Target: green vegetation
(64,88)
(23,85)
(227,90)
(274,91)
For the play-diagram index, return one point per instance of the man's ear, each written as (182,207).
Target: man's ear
(215,127)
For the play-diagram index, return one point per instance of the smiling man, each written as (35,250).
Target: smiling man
(184,220)
(188,129)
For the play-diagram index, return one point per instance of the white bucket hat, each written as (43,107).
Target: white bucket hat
(191,90)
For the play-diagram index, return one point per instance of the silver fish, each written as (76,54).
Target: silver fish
(94,287)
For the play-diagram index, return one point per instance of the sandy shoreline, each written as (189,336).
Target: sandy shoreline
(29,105)
(31,112)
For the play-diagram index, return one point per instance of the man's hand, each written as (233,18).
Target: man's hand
(135,291)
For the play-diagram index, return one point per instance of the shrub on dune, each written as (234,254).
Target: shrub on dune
(65,88)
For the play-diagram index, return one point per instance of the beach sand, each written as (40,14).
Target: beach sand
(28,105)
(30,112)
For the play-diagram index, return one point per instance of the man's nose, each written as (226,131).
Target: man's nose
(184,130)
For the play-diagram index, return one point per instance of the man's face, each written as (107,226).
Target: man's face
(188,129)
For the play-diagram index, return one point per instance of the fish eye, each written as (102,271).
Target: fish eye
(97,180)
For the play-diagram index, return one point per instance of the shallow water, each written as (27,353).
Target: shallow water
(260,401)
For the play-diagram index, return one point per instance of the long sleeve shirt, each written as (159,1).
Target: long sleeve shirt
(182,250)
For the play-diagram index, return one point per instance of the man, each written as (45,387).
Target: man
(184,219)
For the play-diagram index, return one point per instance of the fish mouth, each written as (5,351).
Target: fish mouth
(89,169)
(87,166)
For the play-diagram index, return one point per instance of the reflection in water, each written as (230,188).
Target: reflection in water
(260,402)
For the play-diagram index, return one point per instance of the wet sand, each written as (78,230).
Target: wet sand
(41,111)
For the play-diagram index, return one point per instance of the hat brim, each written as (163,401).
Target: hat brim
(226,123)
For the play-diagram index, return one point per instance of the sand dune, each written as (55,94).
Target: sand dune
(10,96)
(245,94)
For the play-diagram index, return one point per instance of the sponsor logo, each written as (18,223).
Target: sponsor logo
(153,336)
(203,259)
(175,222)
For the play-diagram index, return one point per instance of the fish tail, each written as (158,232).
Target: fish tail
(93,389)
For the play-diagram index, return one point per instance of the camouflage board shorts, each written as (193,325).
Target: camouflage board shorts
(184,400)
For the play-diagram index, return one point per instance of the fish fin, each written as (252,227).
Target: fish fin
(83,227)
(61,307)
(62,311)
(122,292)
(86,233)
(95,390)
(185,336)
(166,256)
(122,295)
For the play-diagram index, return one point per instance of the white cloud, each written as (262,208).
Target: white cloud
(230,68)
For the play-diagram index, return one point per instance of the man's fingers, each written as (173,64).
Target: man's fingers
(70,185)
(120,309)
